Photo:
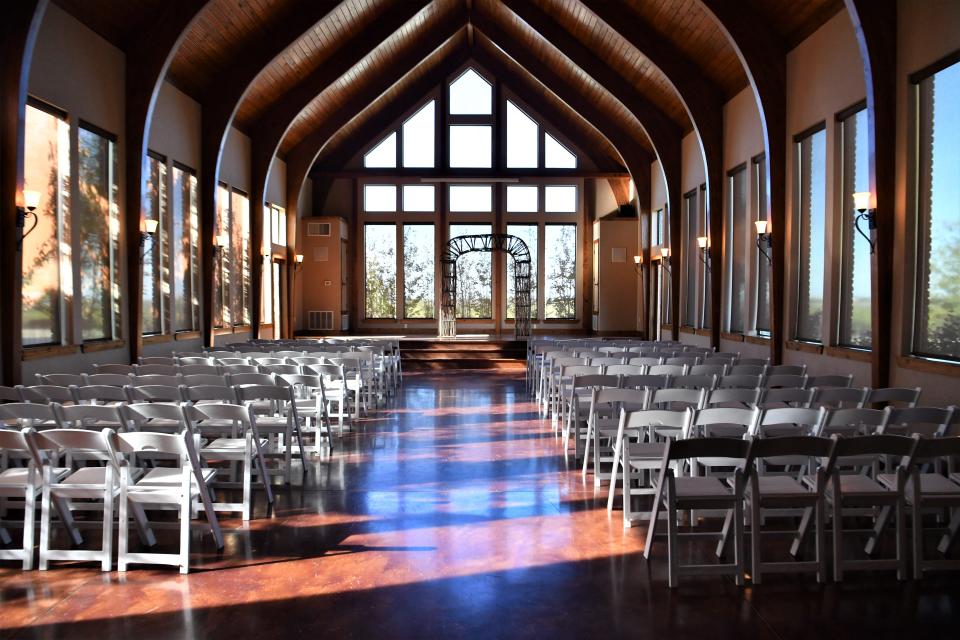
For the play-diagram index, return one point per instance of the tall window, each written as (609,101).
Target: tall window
(810,205)
(529,233)
(764,266)
(656,228)
(855,311)
(937,322)
(522,151)
(474,276)
(418,271)
(46,266)
(380,270)
(420,130)
(274,233)
(240,253)
(706,299)
(99,234)
(156,275)
(738,226)
(186,258)
(691,230)
(560,265)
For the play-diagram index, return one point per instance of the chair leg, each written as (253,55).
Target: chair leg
(106,563)
(821,542)
(673,551)
(878,528)
(738,541)
(123,540)
(917,539)
(185,534)
(247,472)
(44,526)
(838,537)
(756,564)
(796,546)
(951,534)
(724,533)
(29,516)
(901,541)
(613,473)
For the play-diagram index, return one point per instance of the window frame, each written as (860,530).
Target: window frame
(797,244)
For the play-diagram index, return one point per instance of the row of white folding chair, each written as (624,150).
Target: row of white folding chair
(98,488)
(910,485)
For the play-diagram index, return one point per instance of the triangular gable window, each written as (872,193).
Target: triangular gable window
(384,155)
(557,156)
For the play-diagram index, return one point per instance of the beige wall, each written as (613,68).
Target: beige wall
(235,161)
(175,130)
(618,280)
(604,202)
(276,192)
(658,187)
(692,174)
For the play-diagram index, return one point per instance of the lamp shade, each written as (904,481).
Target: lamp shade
(637,259)
(150,226)
(702,242)
(299,258)
(31,200)
(221,240)
(664,252)
(762,227)
(861,200)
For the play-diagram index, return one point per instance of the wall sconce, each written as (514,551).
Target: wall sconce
(298,259)
(665,258)
(147,233)
(764,238)
(861,202)
(703,242)
(220,242)
(638,264)
(31,200)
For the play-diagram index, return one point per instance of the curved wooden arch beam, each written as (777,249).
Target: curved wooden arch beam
(703,101)
(875,25)
(220,103)
(147,62)
(18,34)
(763,55)
(665,135)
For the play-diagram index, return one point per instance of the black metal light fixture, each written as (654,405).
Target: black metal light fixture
(665,258)
(862,201)
(703,242)
(638,264)
(764,238)
(298,261)
(148,232)
(31,200)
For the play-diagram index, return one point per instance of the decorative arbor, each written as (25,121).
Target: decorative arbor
(487,242)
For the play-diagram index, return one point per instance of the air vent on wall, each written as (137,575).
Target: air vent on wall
(320,320)
(318,228)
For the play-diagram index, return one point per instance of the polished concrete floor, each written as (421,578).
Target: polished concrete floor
(452,514)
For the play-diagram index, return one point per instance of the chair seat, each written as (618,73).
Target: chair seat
(171,477)
(229,445)
(785,486)
(86,475)
(702,487)
(18,476)
(859,485)
(645,451)
(931,484)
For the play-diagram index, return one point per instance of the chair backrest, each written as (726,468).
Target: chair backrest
(233,369)
(142,414)
(606,361)
(784,380)
(740,369)
(594,380)
(45,393)
(249,393)
(154,379)
(690,381)
(197,414)
(151,442)
(624,370)
(14,441)
(241,379)
(785,397)
(205,379)
(708,370)
(645,381)
(216,355)
(645,361)
(663,419)
(837,397)
(734,398)
(739,381)
(198,360)
(786,370)
(726,449)
(677,398)
(805,446)
(827,381)
(926,449)
(566,361)
(688,361)
(123,369)
(279,368)
(728,359)
(569,371)
(10,394)
(108,379)
(874,445)
(208,392)
(99,394)
(668,370)
(722,421)
(86,440)
(226,362)
(288,354)
(925,421)
(268,360)
(60,379)
(894,396)
(158,369)
(301,380)
(851,422)
(154,393)
(788,420)
(199,369)
(164,360)
(29,414)
(328,370)
(759,362)
(305,360)
(84,416)
(631,399)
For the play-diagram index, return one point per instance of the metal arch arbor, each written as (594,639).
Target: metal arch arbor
(487,242)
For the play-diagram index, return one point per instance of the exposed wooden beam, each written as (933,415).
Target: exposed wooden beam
(764,58)
(148,58)
(220,103)
(334,170)
(703,101)
(18,33)
(875,25)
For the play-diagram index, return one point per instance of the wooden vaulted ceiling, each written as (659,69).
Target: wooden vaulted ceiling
(224,29)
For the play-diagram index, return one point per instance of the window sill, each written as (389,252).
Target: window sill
(702,332)
(222,331)
(848,353)
(102,345)
(186,335)
(49,351)
(806,347)
(732,337)
(688,330)
(157,338)
(762,340)
(929,365)
(242,328)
